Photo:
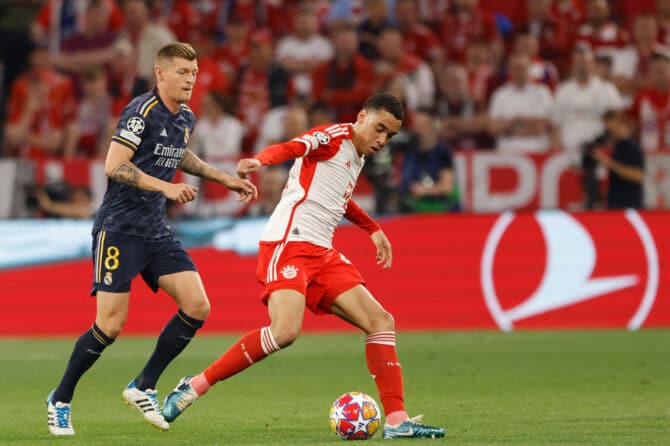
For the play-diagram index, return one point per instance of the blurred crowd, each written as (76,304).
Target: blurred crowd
(515,76)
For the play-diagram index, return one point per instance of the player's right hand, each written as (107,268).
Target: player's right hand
(247,166)
(181,192)
(384,251)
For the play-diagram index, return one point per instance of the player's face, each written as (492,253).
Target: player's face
(373,129)
(177,78)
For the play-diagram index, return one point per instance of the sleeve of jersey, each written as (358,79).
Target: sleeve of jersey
(303,145)
(130,129)
(360,218)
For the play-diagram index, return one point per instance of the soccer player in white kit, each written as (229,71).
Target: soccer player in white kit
(299,267)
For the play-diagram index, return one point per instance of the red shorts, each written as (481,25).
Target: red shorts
(319,273)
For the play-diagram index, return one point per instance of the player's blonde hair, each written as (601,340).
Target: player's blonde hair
(181,50)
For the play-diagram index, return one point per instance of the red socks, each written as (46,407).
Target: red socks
(383,364)
(250,348)
(380,354)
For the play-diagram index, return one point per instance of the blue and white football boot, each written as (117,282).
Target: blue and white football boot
(58,417)
(179,399)
(146,402)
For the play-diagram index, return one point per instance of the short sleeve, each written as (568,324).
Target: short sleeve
(131,128)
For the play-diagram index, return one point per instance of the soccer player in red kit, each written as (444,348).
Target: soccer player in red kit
(299,267)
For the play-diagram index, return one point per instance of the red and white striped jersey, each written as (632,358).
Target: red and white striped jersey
(319,186)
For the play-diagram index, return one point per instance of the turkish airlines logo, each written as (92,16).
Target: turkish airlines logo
(568,277)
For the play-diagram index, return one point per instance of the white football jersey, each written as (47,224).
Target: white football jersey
(318,189)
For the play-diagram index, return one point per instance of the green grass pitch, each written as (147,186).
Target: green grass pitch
(526,388)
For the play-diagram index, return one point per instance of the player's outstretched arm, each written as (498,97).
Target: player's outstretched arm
(193,165)
(119,168)
(271,155)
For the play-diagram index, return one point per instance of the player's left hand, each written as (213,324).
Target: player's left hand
(245,189)
(383,245)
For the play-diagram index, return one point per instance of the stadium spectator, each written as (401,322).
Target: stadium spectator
(553,34)
(147,38)
(599,30)
(234,52)
(121,76)
(57,20)
(604,67)
(431,12)
(91,130)
(480,67)
(72,202)
(94,45)
(304,49)
(40,107)
(465,123)
(427,170)
(417,38)
(631,66)
(179,15)
(625,165)
(218,133)
(282,124)
(276,16)
(415,75)
(663,18)
(581,102)
(542,71)
(271,183)
(211,74)
(261,85)
(377,18)
(319,114)
(347,79)
(520,111)
(467,22)
(651,107)
(571,12)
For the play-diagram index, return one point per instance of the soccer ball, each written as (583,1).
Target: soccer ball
(354,416)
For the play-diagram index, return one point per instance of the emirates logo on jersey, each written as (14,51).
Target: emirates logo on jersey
(289,272)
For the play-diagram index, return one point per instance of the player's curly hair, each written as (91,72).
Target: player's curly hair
(177,49)
(387,102)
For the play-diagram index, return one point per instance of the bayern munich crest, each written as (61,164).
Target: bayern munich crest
(289,272)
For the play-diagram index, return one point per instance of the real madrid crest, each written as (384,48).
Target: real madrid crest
(187,135)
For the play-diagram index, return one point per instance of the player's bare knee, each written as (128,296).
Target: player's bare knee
(198,310)
(285,336)
(382,321)
(111,326)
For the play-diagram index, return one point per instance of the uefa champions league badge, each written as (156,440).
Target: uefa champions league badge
(322,137)
(135,125)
